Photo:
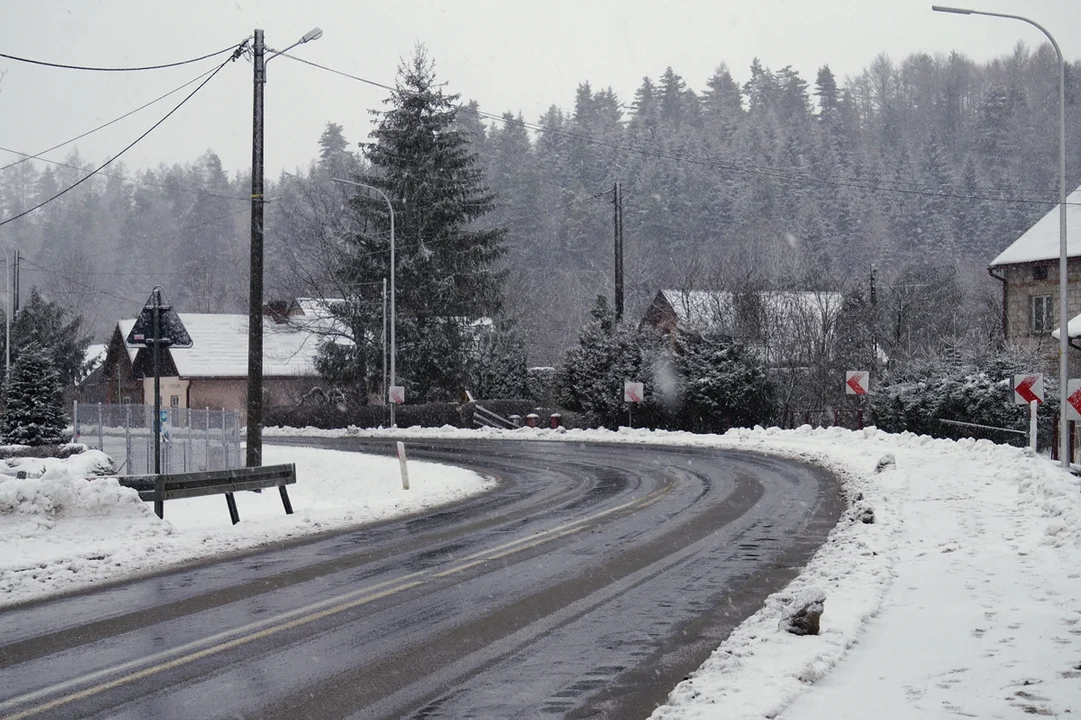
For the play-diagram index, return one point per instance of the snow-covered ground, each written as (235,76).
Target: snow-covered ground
(960,599)
(60,532)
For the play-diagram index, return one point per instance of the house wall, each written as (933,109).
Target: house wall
(232,393)
(170,387)
(1022,283)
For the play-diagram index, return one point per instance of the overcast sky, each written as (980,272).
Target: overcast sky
(514,56)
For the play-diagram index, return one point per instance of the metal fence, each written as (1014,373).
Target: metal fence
(192,440)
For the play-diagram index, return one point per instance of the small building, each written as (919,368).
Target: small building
(1029,272)
(213,372)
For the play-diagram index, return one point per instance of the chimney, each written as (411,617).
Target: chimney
(277,310)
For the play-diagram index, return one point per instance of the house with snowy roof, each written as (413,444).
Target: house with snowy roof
(789,328)
(213,372)
(1029,273)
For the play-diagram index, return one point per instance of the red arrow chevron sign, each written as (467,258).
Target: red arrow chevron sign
(633,391)
(1027,388)
(1073,400)
(857,382)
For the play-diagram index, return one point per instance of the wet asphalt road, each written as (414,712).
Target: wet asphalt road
(588,585)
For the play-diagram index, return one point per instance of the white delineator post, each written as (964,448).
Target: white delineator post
(1032,406)
(405,470)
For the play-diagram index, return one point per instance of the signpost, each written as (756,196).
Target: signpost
(1028,390)
(633,392)
(158,326)
(397,394)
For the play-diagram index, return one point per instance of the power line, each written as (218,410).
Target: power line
(77,282)
(118,69)
(781,174)
(37,156)
(140,181)
(235,55)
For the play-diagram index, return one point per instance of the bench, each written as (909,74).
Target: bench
(159,488)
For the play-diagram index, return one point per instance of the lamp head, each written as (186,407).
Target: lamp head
(956,11)
(313,34)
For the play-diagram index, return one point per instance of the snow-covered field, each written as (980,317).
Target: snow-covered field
(960,599)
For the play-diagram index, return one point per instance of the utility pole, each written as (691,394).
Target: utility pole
(874,320)
(255,298)
(617,219)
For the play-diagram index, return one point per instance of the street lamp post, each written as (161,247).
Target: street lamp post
(390,207)
(7,314)
(255,298)
(1064,319)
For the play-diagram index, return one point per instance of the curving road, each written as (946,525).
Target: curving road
(588,585)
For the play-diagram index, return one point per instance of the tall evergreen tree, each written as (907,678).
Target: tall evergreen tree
(445,274)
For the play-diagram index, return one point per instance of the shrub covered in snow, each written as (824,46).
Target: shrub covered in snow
(703,382)
(34,403)
(919,397)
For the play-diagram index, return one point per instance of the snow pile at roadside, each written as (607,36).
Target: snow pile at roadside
(950,517)
(60,531)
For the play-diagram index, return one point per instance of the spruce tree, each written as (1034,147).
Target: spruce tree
(34,401)
(444,272)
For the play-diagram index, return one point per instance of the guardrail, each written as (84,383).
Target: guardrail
(160,488)
(483,417)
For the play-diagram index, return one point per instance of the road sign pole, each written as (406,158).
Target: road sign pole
(159,481)
(1032,406)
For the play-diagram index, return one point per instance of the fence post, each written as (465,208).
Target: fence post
(75,421)
(206,442)
(101,431)
(1073,429)
(1054,434)
(224,441)
(191,448)
(127,437)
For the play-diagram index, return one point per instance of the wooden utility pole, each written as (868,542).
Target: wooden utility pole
(617,220)
(255,297)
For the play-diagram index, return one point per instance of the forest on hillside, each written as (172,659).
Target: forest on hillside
(925,168)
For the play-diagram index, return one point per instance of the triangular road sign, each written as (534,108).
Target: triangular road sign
(172,332)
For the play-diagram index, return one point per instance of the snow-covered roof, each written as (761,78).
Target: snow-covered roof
(1041,241)
(220,347)
(95,355)
(701,308)
(1073,328)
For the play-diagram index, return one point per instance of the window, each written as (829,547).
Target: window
(1043,313)
(174,401)
(1039,272)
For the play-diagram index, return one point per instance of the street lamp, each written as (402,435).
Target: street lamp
(390,207)
(1064,339)
(255,297)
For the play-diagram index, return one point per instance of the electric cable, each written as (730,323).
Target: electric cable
(37,156)
(119,69)
(153,127)
(136,180)
(77,282)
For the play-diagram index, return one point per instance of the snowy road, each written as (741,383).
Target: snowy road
(587,585)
